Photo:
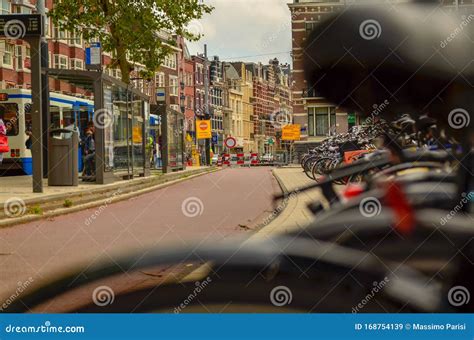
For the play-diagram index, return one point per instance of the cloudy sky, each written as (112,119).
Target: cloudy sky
(247,30)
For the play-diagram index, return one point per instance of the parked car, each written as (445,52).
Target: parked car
(214,159)
(267,158)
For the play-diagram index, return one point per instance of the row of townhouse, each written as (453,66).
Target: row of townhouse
(317,116)
(247,102)
(243,98)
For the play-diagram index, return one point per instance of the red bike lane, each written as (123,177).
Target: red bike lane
(210,207)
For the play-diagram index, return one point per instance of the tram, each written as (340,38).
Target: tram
(15,111)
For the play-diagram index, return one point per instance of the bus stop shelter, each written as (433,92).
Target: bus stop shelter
(121,122)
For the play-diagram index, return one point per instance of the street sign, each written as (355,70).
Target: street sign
(160,94)
(215,139)
(291,132)
(230,142)
(19,26)
(203,129)
(351,118)
(93,56)
(271,141)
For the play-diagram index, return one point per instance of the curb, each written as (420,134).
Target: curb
(10,222)
(262,225)
(270,229)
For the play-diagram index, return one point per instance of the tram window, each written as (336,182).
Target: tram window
(55,115)
(9,115)
(28,122)
(68,118)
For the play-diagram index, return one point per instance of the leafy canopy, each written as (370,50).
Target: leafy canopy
(129,29)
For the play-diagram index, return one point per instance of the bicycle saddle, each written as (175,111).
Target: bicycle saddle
(366,55)
(424,122)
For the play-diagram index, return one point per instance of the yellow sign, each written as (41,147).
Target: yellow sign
(291,132)
(203,129)
(137,134)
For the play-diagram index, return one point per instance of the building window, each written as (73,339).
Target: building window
(77,64)
(19,57)
(189,101)
(321,120)
(309,26)
(5,6)
(160,79)
(8,54)
(173,86)
(59,34)
(76,38)
(170,61)
(47,27)
(60,61)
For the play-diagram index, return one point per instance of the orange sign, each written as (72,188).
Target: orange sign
(291,132)
(203,129)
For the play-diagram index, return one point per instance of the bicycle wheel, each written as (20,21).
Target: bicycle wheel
(307,277)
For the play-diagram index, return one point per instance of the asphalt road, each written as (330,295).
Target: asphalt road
(211,207)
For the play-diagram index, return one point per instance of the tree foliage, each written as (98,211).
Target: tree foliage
(129,29)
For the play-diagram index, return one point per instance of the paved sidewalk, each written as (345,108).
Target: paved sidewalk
(21,186)
(19,205)
(293,212)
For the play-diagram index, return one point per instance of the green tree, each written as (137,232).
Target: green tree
(128,29)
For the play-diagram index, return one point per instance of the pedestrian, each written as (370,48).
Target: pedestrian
(29,140)
(3,140)
(89,155)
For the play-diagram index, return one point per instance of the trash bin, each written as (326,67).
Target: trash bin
(63,157)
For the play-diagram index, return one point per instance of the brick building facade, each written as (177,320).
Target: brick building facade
(317,116)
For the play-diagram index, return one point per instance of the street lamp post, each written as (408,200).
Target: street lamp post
(182,103)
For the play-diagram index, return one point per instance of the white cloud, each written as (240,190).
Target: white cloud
(244,28)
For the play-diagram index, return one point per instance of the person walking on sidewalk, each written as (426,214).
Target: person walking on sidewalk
(89,154)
